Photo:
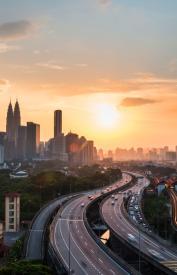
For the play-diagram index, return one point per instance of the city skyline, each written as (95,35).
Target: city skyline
(53,56)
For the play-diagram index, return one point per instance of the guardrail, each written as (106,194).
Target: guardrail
(107,250)
(150,259)
(52,257)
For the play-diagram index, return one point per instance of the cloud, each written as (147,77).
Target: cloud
(82,65)
(136,101)
(7,48)
(4,85)
(105,2)
(51,65)
(16,30)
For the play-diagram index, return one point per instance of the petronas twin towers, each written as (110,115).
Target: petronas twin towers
(13,122)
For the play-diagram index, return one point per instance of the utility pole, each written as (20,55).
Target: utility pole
(139,254)
(69,238)
(69,250)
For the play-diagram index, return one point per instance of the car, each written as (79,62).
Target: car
(116,198)
(156,254)
(89,196)
(112,196)
(82,204)
(112,203)
(131,238)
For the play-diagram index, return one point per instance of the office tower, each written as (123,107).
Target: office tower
(32,140)
(100,154)
(57,123)
(12,212)
(58,148)
(87,153)
(10,123)
(21,143)
(72,143)
(2,146)
(72,147)
(17,121)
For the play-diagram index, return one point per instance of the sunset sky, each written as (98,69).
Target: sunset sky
(111,66)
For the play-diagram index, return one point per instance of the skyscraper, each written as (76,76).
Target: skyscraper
(21,142)
(32,140)
(17,121)
(10,123)
(57,123)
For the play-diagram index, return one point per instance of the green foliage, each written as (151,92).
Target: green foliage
(156,212)
(43,187)
(16,251)
(26,268)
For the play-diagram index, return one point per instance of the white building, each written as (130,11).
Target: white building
(19,175)
(12,212)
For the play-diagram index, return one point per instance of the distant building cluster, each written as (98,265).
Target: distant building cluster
(153,154)
(22,142)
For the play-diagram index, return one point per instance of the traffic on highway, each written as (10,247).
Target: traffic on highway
(126,226)
(72,242)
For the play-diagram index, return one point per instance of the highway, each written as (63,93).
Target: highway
(74,245)
(114,218)
(34,247)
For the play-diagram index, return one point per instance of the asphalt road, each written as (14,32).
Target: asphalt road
(34,248)
(113,216)
(74,245)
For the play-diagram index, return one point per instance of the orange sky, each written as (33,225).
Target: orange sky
(88,58)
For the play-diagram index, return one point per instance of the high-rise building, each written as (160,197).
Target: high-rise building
(72,147)
(58,148)
(10,123)
(21,142)
(17,121)
(32,140)
(87,153)
(57,123)
(12,212)
(2,146)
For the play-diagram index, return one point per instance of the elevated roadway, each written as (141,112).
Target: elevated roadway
(73,244)
(121,225)
(35,240)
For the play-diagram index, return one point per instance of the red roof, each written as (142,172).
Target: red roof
(12,194)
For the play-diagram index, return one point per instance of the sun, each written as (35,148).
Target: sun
(107,116)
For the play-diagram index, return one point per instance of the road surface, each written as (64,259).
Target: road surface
(34,248)
(74,245)
(114,218)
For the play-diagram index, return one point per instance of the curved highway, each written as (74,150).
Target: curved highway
(114,218)
(74,245)
(35,245)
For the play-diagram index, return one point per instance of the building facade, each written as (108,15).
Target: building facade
(12,212)
(32,140)
(57,123)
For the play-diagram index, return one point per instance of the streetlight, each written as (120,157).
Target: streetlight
(139,254)
(69,250)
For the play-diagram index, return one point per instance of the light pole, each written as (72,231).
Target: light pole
(139,254)
(69,250)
